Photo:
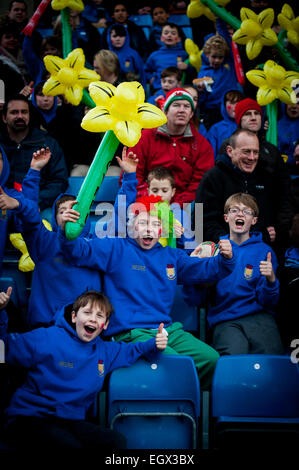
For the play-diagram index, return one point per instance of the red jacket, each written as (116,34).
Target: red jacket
(188,156)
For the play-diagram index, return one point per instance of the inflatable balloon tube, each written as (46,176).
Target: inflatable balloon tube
(33,22)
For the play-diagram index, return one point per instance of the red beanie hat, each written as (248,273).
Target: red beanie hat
(243,106)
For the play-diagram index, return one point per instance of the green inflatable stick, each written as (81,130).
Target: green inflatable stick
(271,134)
(66,32)
(284,53)
(92,183)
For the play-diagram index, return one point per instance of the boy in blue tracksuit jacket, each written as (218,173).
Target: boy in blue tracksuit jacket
(67,364)
(170,54)
(129,60)
(141,277)
(242,306)
(54,282)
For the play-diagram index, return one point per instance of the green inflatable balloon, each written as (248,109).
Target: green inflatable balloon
(271,135)
(92,183)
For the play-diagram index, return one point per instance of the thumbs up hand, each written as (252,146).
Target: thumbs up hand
(161,338)
(7,202)
(266,269)
(4,297)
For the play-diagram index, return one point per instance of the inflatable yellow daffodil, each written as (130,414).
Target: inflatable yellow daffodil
(273,82)
(194,53)
(255,31)
(76,5)
(122,110)
(196,8)
(289,23)
(25,262)
(68,76)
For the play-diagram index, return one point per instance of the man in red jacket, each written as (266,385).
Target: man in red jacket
(176,145)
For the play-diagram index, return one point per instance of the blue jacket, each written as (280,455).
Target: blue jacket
(221,130)
(55,282)
(162,58)
(64,373)
(129,58)
(141,283)
(251,292)
(287,136)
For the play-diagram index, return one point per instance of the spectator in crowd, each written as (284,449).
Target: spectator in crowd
(242,319)
(84,35)
(54,407)
(288,132)
(218,67)
(137,313)
(106,64)
(17,14)
(240,169)
(20,139)
(171,77)
(223,129)
(176,145)
(120,14)
(160,18)
(197,116)
(96,12)
(170,54)
(11,49)
(130,61)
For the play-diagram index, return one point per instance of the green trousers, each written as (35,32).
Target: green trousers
(180,342)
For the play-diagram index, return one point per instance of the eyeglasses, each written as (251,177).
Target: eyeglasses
(236,210)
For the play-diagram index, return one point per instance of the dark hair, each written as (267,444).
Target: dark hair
(16,97)
(234,96)
(63,199)
(161,173)
(172,71)
(9,28)
(16,1)
(119,30)
(175,26)
(94,297)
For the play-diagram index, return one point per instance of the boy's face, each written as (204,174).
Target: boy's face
(160,16)
(169,83)
(64,206)
(147,230)
(44,102)
(161,188)
(9,42)
(120,13)
(230,108)
(216,58)
(18,12)
(170,36)
(293,110)
(240,218)
(117,41)
(90,321)
(251,120)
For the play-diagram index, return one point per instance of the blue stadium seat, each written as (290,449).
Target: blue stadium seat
(255,401)
(156,406)
(179,19)
(184,313)
(144,21)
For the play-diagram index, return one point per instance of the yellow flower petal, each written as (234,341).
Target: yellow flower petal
(284,22)
(253,48)
(268,37)
(266,18)
(73,94)
(196,9)
(127,132)
(75,59)
(86,76)
(293,37)
(150,116)
(265,95)
(98,119)
(101,93)
(53,64)
(257,77)
(287,95)
(240,37)
(288,11)
(53,87)
(247,14)
(76,5)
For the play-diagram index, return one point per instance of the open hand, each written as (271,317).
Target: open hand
(40,158)
(128,161)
